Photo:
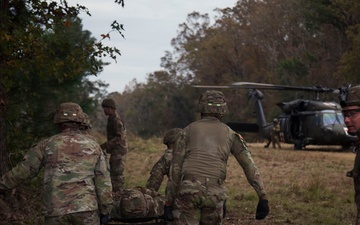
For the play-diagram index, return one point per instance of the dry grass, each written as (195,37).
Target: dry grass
(304,187)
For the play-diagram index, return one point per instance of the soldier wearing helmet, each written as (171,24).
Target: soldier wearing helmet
(350,103)
(116,144)
(76,179)
(199,163)
(162,166)
(275,133)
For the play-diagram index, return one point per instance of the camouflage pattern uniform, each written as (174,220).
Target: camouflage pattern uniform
(349,98)
(138,203)
(116,146)
(197,188)
(77,183)
(275,133)
(162,166)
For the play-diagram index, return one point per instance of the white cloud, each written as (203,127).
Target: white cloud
(149,28)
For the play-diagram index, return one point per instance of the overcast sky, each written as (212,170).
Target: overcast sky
(149,27)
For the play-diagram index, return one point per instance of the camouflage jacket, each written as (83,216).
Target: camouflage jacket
(116,135)
(76,178)
(203,150)
(159,170)
(276,129)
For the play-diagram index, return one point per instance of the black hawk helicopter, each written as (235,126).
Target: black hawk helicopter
(303,122)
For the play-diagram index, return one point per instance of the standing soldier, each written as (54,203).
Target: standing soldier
(77,185)
(162,166)
(275,134)
(350,103)
(198,171)
(116,145)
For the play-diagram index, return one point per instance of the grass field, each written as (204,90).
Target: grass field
(307,187)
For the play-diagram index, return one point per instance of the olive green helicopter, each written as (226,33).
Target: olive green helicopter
(302,122)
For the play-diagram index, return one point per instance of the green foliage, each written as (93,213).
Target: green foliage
(46,59)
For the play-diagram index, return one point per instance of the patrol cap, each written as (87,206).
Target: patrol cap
(108,102)
(349,96)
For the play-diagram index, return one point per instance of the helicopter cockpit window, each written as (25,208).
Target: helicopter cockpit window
(341,118)
(332,118)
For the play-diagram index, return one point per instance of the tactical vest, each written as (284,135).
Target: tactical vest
(208,145)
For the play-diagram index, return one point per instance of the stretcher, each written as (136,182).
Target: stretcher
(159,220)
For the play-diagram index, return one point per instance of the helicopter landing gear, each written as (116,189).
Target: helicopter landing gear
(298,145)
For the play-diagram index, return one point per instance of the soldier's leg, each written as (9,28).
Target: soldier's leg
(187,208)
(212,211)
(81,218)
(357,198)
(117,172)
(273,141)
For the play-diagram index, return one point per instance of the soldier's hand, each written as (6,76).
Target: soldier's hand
(168,212)
(104,219)
(262,209)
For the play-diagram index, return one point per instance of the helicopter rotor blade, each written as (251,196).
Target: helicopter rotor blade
(212,86)
(252,85)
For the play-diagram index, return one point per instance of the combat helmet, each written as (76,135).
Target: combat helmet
(170,136)
(212,102)
(275,120)
(108,102)
(69,112)
(86,123)
(349,96)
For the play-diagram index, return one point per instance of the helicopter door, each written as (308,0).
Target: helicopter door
(294,126)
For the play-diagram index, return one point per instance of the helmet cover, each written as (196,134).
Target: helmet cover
(170,136)
(349,96)
(212,102)
(69,112)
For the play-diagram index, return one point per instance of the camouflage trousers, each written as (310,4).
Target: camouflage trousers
(354,173)
(80,218)
(199,203)
(117,171)
(275,141)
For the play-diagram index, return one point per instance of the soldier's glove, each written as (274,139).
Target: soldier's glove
(168,213)
(262,209)
(104,219)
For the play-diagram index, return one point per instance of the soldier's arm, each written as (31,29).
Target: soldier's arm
(103,186)
(243,156)
(120,137)
(176,167)
(25,170)
(157,174)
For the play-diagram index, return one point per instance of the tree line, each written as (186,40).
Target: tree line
(285,42)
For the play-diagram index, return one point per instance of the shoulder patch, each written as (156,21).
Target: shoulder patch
(239,136)
(241,139)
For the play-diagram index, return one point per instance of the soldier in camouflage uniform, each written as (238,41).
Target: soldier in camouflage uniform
(197,192)
(275,134)
(350,103)
(162,166)
(116,145)
(77,185)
